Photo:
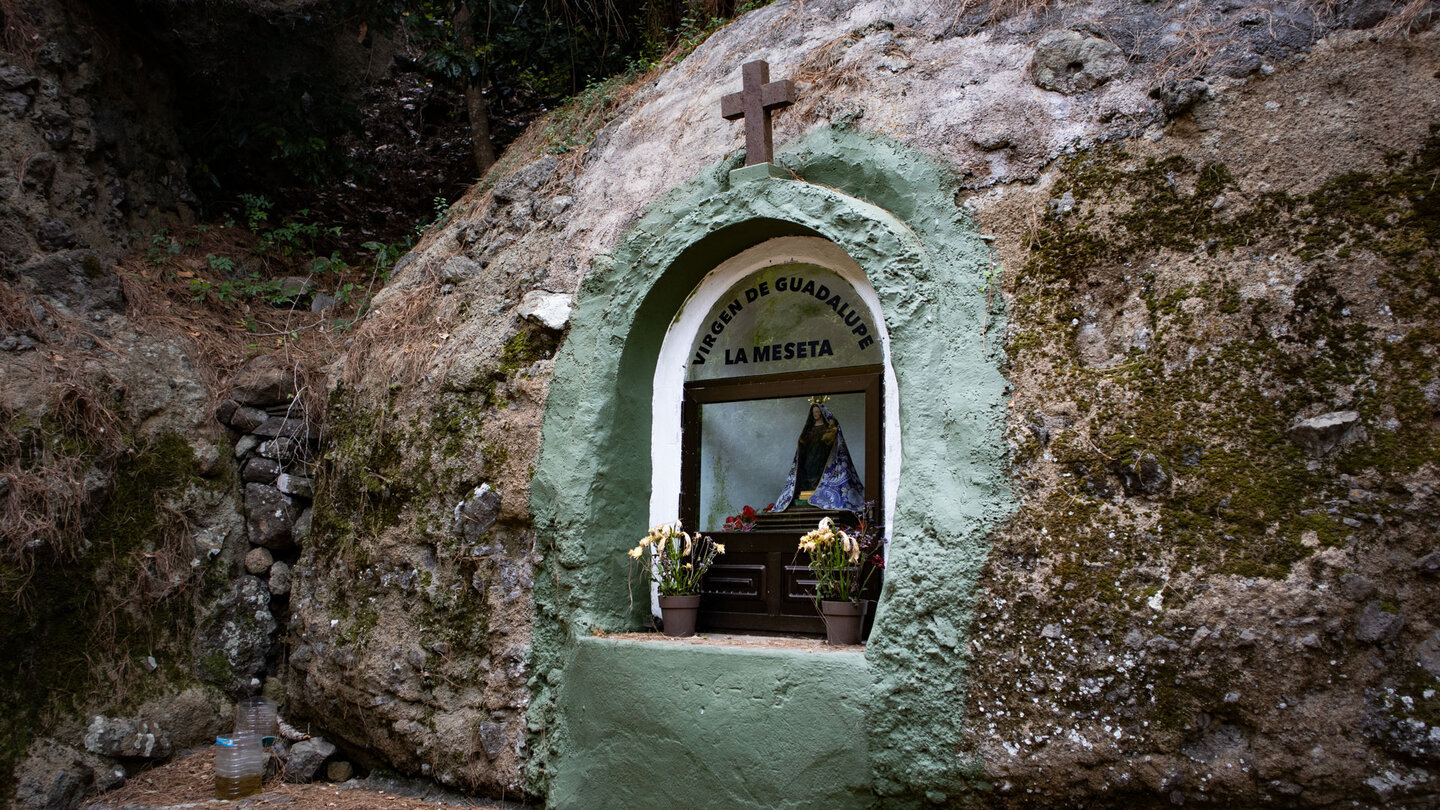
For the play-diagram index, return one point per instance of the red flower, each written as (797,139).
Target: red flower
(877,561)
(748,512)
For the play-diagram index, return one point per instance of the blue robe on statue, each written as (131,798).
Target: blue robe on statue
(822,462)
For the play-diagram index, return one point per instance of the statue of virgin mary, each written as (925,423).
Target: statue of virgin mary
(822,473)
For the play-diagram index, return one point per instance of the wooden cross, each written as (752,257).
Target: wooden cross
(754,103)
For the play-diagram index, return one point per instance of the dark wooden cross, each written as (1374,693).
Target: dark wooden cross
(754,103)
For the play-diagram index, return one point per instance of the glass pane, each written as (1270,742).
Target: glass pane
(786,318)
(750,449)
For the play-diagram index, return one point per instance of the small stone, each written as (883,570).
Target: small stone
(1051,631)
(1427,655)
(265,380)
(297,485)
(1143,476)
(225,410)
(281,449)
(1311,640)
(56,235)
(1232,697)
(245,419)
(280,579)
(126,737)
(260,470)
(301,530)
(1134,639)
(339,771)
(292,289)
(1071,62)
(1356,587)
(458,269)
(246,444)
(523,183)
(269,516)
(1429,564)
(322,302)
(305,759)
(207,459)
(1319,435)
(1177,96)
(492,739)
(475,515)
(551,310)
(258,560)
(992,139)
(288,428)
(1376,625)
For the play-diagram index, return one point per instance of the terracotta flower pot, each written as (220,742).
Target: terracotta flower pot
(843,620)
(678,614)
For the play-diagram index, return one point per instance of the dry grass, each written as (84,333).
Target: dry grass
(1407,20)
(47,453)
(20,38)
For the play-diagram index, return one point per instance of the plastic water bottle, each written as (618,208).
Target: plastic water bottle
(239,765)
(257,715)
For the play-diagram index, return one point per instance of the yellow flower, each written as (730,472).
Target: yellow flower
(719,548)
(637,551)
(688,566)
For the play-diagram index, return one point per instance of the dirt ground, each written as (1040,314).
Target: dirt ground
(190,782)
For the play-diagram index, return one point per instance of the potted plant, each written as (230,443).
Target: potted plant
(842,563)
(678,561)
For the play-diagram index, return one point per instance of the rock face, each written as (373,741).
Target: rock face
(1188,557)
(1189,569)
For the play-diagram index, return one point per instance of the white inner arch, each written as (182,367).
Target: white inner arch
(675,354)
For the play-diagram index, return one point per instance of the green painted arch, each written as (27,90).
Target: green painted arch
(930,270)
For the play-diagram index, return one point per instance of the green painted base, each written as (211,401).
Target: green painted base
(679,724)
(759,171)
